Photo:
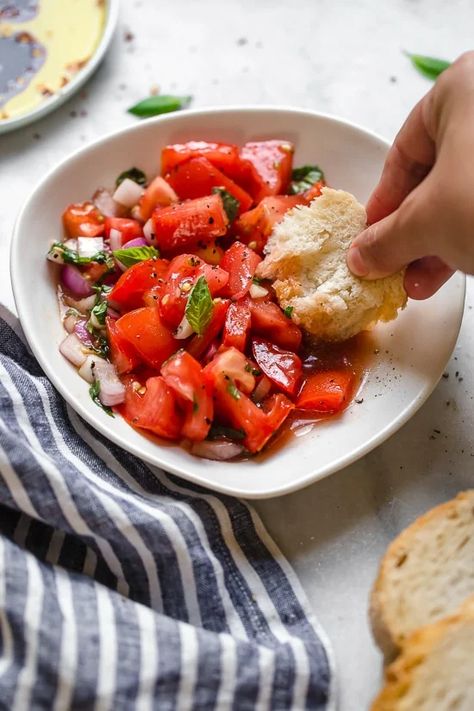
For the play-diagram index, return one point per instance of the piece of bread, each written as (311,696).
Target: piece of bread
(435,671)
(426,573)
(306,259)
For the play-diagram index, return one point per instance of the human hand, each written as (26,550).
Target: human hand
(421,214)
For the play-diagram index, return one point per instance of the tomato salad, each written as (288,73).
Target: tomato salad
(165,317)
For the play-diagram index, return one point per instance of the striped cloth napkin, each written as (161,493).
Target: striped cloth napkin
(123,588)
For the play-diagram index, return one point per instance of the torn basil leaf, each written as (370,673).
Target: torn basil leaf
(132,255)
(161,104)
(430,67)
(199,307)
(304,178)
(135,174)
(231,204)
(94,392)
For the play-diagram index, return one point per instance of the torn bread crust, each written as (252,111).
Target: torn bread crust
(306,260)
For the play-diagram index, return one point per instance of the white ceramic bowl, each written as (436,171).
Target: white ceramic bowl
(413,350)
(59,97)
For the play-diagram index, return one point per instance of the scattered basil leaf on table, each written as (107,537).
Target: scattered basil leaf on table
(161,104)
(304,178)
(199,307)
(430,67)
(231,204)
(135,174)
(94,391)
(132,255)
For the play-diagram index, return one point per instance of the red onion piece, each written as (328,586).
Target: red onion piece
(112,390)
(105,203)
(135,242)
(72,349)
(73,280)
(69,322)
(262,390)
(112,313)
(82,305)
(128,193)
(82,333)
(219,451)
(148,231)
(115,239)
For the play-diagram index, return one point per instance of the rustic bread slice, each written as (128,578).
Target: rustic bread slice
(425,574)
(435,670)
(306,259)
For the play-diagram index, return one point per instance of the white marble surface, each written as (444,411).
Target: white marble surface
(336,56)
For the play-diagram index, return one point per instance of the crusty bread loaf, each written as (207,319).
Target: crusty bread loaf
(435,671)
(426,573)
(306,258)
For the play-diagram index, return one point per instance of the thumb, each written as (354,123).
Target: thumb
(390,244)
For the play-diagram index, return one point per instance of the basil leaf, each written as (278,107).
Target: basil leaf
(99,310)
(220,432)
(288,311)
(430,67)
(69,256)
(231,204)
(233,390)
(199,307)
(161,104)
(135,174)
(304,178)
(94,391)
(132,255)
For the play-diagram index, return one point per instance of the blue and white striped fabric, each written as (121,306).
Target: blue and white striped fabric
(121,588)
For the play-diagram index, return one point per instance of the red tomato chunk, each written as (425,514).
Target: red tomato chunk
(326,392)
(241,263)
(183,374)
(152,407)
(186,224)
(282,367)
(224,156)
(143,329)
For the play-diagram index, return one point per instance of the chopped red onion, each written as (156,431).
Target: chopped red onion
(82,333)
(184,329)
(105,203)
(73,280)
(128,193)
(148,231)
(112,313)
(115,239)
(82,305)
(219,450)
(89,246)
(262,389)
(69,322)
(135,242)
(112,390)
(72,349)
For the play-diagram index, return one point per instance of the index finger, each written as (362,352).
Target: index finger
(408,161)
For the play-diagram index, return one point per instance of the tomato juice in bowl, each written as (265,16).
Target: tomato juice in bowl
(409,360)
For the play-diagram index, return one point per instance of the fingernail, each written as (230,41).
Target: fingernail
(356,263)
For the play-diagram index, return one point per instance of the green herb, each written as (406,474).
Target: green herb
(430,67)
(135,174)
(288,311)
(99,310)
(256,280)
(256,372)
(231,204)
(219,431)
(132,255)
(199,307)
(94,391)
(232,390)
(72,312)
(70,256)
(161,104)
(102,289)
(304,178)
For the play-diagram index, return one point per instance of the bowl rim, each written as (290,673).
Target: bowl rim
(66,92)
(186,471)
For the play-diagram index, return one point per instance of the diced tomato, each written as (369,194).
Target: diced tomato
(94,271)
(122,354)
(223,155)
(282,367)
(269,321)
(158,194)
(148,335)
(236,409)
(184,375)
(129,229)
(83,219)
(237,325)
(128,292)
(265,167)
(154,410)
(152,297)
(210,253)
(182,274)
(200,344)
(314,191)
(234,366)
(255,226)
(197,177)
(327,391)
(240,262)
(185,224)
